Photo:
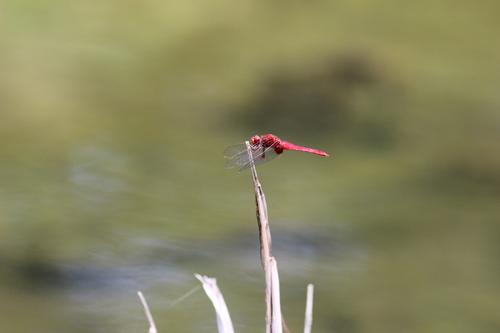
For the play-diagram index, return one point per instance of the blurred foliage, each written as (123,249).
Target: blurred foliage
(338,100)
(114,116)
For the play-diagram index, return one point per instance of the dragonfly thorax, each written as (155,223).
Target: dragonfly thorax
(267,141)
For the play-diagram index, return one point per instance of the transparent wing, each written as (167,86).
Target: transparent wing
(265,156)
(238,155)
(232,151)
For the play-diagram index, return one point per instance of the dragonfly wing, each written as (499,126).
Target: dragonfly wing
(238,154)
(261,156)
(269,156)
(232,151)
(239,159)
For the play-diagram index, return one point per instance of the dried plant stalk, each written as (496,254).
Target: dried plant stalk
(309,309)
(273,306)
(224,323)
(152,326)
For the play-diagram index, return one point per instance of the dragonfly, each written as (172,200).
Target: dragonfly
(262,149)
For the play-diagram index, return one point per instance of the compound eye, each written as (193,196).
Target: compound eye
(255,139)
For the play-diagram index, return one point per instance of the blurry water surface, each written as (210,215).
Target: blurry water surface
(113,119)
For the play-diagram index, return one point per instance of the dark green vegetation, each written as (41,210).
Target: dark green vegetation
(114,116)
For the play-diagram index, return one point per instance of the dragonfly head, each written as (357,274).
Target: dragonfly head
(256,139)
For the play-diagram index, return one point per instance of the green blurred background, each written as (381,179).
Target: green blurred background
(114,116)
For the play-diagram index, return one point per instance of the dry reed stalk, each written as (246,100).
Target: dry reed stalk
(152,326)
(224,323)
(309,309)
(273,306)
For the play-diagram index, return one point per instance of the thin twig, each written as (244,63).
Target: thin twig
(309,309)
(262,219)
(183,297)
(152,326)
(224,323)
(275,297)
(273,307)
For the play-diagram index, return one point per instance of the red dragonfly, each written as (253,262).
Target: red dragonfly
(262,149)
